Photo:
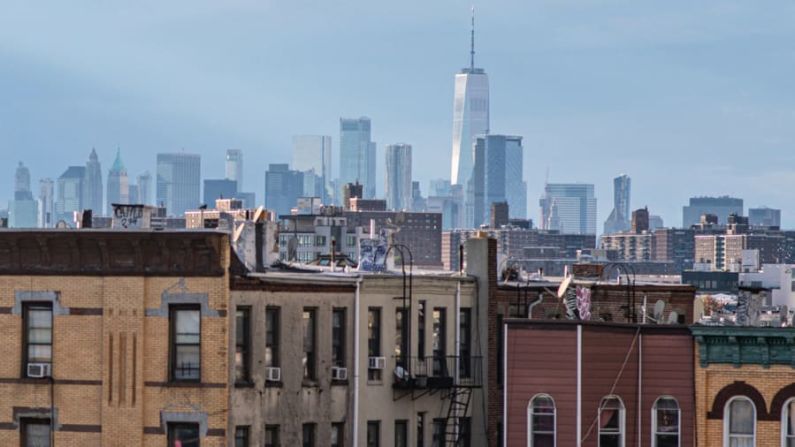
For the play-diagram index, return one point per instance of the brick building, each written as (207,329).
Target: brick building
(113,338)
(745,385)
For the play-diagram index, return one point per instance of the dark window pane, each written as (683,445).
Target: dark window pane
(36,433)
(183,435)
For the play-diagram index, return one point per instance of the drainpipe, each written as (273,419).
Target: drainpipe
(457,372)
(639,407)
(356,361)
(534,304)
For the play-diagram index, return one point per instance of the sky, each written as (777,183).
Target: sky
(686,97)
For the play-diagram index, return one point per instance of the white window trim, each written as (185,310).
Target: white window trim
(784,417)
(530,419)
(727,416)
(621,423)
(654,421)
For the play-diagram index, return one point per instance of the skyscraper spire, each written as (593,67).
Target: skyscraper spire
(472,43)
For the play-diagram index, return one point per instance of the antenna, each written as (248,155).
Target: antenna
(472,43)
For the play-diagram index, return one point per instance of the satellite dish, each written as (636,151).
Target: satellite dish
(659,308)
(564,285)
(673,317)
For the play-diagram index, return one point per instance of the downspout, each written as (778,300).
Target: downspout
(457,372)
(356,360)
(639,429)
(579,385)
(536,302)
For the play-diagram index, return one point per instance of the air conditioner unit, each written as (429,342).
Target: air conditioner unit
(377,363)
(338,373)
(39,370)
(273,374)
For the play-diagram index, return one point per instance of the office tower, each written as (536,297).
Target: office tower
(418,202)
(178,182)
(351,191)
(764,217)
(313,152)
(46,198)
(118,184)
(640,220)
(569,208)
(314,185)
(144,182)
(721,207)
(23,210)
(655,222)
(70,193)
(283,187)
(357,154)
(470,114)
(499,214)
(497,177)
(133,199)
(234,167)
(219,189)
(439,187)
(398,177)
(618,220)
(92,185)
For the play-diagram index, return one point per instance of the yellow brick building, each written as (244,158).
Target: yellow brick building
(113,338)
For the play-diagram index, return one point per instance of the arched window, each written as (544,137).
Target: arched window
(739,423)
(611,422)
(541,421)
(665,422)
(788,424)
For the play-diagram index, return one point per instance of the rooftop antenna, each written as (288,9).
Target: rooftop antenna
(472,43)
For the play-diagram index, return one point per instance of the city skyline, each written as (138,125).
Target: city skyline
(537,90)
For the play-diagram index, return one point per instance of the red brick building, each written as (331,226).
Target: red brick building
(602,383)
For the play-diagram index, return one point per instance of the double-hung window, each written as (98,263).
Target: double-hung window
(739,423)
(541,423)
(665,420)
(611,422)
(38,335)
(242,344)
(185,324)
(788,423)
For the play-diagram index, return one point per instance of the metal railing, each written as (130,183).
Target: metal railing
(438,371)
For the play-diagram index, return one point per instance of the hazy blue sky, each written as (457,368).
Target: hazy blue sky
(687,97)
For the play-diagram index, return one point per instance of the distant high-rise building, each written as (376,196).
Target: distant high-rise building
(70,193)
(219,189)
(655,222)
(618,220)
(22,183)
(314,185)
(351,191)
(357,154)
(398,177)
(439,187)
(234,167)
(92,185)
(569,208)
(470,115)
(118,184)
(46,200)
(144,182)
(721,207)
(418,202)
(497,177)
(499,214)
(23,209)
(764,217)
(283,187)
(640,220)
(178,182)
(313,152)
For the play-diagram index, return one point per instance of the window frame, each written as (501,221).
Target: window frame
(338,336)
(245,431)
(401,425)
(531,414)
(245,346)
(309,357)
(311,429)
(654,432)
(26,308)
(622,416)
(785,414)
(374,340)
(274,330)
(171,426)
(727,419)
(340,427)
(376,424)
(276,430)
(25,422)
(173,346)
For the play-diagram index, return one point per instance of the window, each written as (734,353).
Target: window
(541,423)
(611,422)
(439,427)
(401,433)
(338,337)
(272,337)
(465,331)
(242,344)
(665,422)
(373,433)
(439,341)
(38,334)
(465,431)
(185,343)
(241,436)
(271,436)
(374,339)
(337,434)
(421,330)
(500,341)
(36,433)
(183,435)
(309,343)
(401,337)
(420,429)
(788,424)
(308,435)
(739,423)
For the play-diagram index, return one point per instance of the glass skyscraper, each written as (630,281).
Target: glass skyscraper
(178,182)
(357,154)
(398,186)
(313,153)
(497,177)
(569,208)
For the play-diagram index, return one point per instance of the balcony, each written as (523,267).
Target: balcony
(437,372)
